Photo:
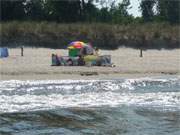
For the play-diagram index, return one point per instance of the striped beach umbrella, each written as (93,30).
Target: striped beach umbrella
(76,44)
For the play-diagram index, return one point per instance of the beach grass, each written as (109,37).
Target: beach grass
(107,36)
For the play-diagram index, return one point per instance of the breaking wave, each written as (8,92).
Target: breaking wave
(22,96)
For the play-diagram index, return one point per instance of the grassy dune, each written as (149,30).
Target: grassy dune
(55,35)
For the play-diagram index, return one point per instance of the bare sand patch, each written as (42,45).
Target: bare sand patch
(36,64)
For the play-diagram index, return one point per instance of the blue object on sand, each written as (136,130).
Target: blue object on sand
(4,52)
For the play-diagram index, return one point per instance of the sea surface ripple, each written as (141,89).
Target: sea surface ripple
(143,106)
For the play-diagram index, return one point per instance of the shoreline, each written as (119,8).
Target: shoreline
(80,77)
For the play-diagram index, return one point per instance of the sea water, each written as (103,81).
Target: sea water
(142,106)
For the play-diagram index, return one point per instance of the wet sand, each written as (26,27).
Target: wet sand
(36,64)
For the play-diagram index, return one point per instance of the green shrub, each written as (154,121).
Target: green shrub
(107,36)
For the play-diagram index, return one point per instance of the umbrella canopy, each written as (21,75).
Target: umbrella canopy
(76,44)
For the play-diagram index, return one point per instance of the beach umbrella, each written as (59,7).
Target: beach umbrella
(70,47)
(76,44)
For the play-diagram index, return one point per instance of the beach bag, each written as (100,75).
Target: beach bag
(105,60)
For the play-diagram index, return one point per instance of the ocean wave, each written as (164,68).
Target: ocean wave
(17,96)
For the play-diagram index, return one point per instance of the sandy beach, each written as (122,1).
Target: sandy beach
(36,64)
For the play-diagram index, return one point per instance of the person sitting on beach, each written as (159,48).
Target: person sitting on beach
(55,60)
(82,51)
(81,61)
(96,51)
(69,62)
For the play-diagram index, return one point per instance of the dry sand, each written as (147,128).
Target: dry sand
(36,64)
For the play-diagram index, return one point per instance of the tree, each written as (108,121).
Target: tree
(34,9)
(169,10)
(105,15)
(146,7)
(120,13)
(12,10)
(63,11)
(90,12)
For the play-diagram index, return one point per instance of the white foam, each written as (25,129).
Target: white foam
(35,102)
(110,94)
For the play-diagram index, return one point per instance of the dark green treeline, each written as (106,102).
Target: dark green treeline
(70,11)
(55,23)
